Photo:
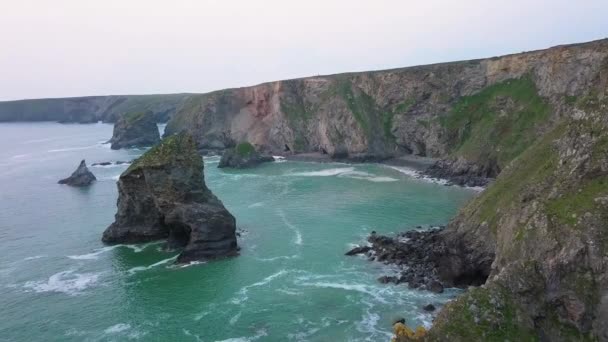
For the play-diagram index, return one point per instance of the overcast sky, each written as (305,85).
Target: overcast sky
(97,47)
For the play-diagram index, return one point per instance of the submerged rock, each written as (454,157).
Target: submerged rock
(136,129)
(242,156)
(81,177)
(163,195)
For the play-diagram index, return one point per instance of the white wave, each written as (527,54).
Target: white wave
(34,257)
(367,176)
(66,282)
(235,318)
(298,237)
(191,263)
(258,335)
(116,328)
(212,159)
(289,292)
(256,205)
(67,149)
(279,159)
(242,293)
(369,324)
(282,257)
(324,173)
(93,255)
(97,252)
(20,156)
(144,268)
(188,333)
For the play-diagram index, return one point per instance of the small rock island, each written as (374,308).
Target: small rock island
(242,156)
(135,129)
(163,195)
(81,177)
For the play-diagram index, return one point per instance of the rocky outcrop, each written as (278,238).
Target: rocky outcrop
(91,109)
(243,155)
(477,115)
(81,177)
(162,195)
(135,129)
(415,254)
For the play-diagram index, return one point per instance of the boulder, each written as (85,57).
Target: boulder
(136,129)
(81,177)
(242,156)
(162,195)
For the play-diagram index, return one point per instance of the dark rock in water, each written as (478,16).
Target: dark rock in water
(137,129)
(435,286)
(429,307)
(162,195)
(242,156)
(81,177)
(119,162)
(399,320)
(358,250)
(388,279)
(462,172)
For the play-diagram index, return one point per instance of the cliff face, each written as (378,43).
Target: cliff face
(483,111)
(135,129)
(541,234)
(90,109)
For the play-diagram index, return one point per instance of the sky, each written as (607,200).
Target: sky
(66,48)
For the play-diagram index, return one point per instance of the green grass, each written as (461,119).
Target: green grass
(134,116)
(162,153)
(535,165)
(498,123)
(475,317)
(244,149)
(573,204)
(362,105)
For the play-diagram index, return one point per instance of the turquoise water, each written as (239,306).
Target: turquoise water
(291,282)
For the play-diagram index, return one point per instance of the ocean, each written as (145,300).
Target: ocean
(291,281)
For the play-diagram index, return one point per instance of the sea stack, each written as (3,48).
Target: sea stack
(135,129)
(242,156)
(163,195)
(81,177)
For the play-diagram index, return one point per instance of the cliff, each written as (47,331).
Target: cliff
(90,109)
(135,129)
(477,114)
(538,237)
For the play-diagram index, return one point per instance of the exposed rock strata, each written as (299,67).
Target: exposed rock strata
(81,177)
(135,129)
(243,155)
(162,195)
(482,113)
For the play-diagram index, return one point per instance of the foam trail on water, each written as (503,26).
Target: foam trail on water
(242,294)
(298,238)
(324,173)
(144,268)
(116,328)
(66,282)
(67,149)
(257,336)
